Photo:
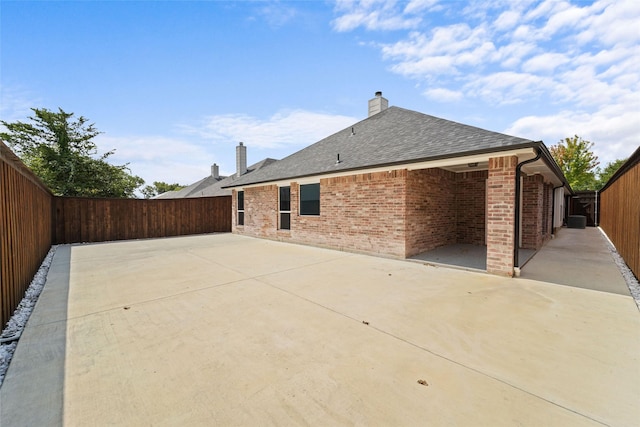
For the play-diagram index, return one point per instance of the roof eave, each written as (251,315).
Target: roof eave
(528,144)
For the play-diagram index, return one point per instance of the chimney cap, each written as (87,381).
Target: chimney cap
(378,94)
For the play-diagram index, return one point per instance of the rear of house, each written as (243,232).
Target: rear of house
(400,183)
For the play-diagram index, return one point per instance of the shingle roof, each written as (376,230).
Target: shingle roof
(393,136)
(212,187)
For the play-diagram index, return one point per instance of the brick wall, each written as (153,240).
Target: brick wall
(500,214)
(260,211)
(430,210)
(363,213)
(471,191)
(532,211)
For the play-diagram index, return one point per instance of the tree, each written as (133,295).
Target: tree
(159,187)
(604,175)
(60,150)
(577,162)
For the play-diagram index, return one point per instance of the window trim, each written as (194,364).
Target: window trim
(240,212)
(300,199)
(280,211)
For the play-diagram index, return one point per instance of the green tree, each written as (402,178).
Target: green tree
(604,175)
(577,162)
(60,150)
(159,187)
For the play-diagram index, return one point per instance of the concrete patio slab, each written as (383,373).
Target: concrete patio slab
(580,258)
(230,330)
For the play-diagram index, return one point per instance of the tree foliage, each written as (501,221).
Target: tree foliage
(605,174)
(60,150)
(158,188)
(577,162)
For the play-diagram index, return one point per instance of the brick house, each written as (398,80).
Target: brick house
(400,183)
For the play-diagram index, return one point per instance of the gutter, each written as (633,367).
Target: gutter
(516,234)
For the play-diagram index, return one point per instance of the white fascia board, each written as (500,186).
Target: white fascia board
(523,154)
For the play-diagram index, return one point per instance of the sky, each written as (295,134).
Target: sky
(175,85)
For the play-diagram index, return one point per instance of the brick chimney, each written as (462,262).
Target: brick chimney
(215,171)
(378,104)
(241,160)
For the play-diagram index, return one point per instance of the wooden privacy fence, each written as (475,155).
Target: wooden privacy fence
(620,211)
(32,219)
(100,220)
(25,229)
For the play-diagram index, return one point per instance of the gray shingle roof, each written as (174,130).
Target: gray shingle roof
(212,187)
(393,136)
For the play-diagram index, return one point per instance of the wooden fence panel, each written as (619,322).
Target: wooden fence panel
(620,214)
(99,220)
(26,229)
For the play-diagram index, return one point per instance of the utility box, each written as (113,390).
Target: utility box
(576,221)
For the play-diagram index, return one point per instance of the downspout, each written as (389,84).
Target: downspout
(595,213)
(553,209)
(516,234)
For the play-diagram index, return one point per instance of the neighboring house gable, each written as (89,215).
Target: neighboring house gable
(213,185)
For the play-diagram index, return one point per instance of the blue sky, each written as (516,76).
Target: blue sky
(175,85)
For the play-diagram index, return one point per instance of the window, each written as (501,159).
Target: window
(310,199)
(240,207)
(285,208)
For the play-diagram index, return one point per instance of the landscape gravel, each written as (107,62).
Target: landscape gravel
(14,327)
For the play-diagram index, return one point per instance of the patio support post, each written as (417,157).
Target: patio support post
(501,203)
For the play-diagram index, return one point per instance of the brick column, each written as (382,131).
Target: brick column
(532,211)
(501,215)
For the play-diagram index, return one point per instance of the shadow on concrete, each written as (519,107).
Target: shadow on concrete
(32,391)
(465,256)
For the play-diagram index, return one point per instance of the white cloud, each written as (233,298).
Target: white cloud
(508,87)
(157,158)
(507,20)
(613,129)
(545,62)
(443,95)
(417,6)
(277,14)
(285,128)
(562,66)
(377,15)
(16,104)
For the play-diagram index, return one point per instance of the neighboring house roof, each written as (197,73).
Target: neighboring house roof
(211,186)
(393,136)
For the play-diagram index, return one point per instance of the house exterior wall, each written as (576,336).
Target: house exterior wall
(363,213)
(401,213)
(537,206)
(430,210)
(500,214)
(470,202)
(532,211)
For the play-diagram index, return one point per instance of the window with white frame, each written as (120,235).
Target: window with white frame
(240,201)
(285,208)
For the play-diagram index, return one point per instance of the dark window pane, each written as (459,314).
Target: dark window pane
(240,218)
(310,199)
(285,221)
(285,198)
(240,200)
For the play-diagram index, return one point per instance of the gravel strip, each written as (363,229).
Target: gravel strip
(629,277)
(15,325)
